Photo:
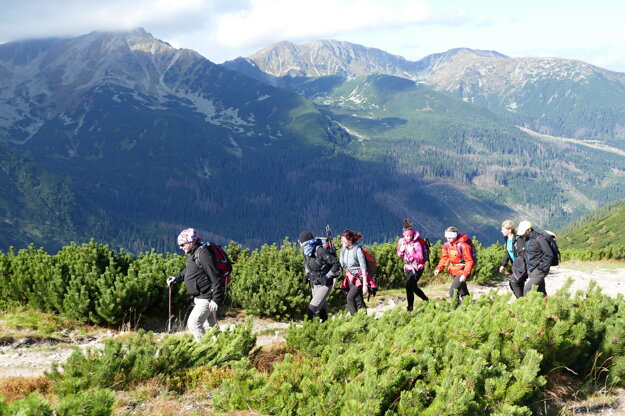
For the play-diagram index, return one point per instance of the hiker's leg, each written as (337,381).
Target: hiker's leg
(360,300)
(535,278)
(351,298)
(458,290)
(320,295)
(464,290)
(453,289)
(516,287)
(197,317)
(411,283)
(417,289)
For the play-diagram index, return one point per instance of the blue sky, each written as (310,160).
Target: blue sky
(225,29)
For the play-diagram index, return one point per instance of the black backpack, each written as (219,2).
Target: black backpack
(553,244)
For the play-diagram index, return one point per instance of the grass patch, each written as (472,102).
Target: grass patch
(19,321)
(589,266)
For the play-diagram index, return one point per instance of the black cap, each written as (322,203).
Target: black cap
(305,236)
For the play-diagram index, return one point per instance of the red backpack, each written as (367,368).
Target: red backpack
(221,259)
(469,243)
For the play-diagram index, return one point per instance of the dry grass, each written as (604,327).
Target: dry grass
(263,359)
(17,388)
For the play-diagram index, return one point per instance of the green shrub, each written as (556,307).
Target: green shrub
(270,282)
(128,361)
(489,357)
(33,405)
(87,403)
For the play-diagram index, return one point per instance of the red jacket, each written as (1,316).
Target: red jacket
(458,265)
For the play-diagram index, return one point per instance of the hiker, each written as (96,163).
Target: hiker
(539,257)
(457,251)
(202,282)
(414,252)
(515,253)
(354,263)
(322,267)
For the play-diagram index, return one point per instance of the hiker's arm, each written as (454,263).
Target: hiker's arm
(443,260)
(362,262)
(208,264)
(180,276)
(504,261)
(545,261)
(332,261)
(401,249)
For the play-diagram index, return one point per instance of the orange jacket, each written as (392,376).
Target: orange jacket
(458,265)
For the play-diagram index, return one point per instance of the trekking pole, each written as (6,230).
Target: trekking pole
(170,315)
(216,320)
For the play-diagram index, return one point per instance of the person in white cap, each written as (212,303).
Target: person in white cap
(539,257)
(202,281)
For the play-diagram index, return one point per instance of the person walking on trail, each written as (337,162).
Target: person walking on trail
(539,257)
(354,263)
(412,251)
(322,267)
(515,253)
(202,281)
(458,254)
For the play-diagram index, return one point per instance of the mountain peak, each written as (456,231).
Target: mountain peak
(327,57)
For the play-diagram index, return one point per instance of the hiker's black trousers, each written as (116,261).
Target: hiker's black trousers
(517,285)
(355,300)
(459,289)
(412,278)
(536,278)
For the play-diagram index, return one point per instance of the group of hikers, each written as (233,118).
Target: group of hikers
(529,252)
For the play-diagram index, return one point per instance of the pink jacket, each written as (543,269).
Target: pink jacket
(412,253)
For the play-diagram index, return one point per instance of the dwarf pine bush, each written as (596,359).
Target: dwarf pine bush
(270,282)
(34,404)
(129,361)
(489,357)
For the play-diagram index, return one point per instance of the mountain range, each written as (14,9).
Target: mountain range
(560,97)
(127,140)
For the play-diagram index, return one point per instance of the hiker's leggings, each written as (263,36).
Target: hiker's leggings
(535,278)
(412,278)
(198,316)
(355,300)
(460,287)
(517,285)
(318,306)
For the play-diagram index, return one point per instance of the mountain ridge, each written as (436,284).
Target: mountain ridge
(536,93)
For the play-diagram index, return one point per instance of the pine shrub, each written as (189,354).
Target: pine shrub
(97,402)
(129,361)
(489,357)
(270,282)
(35,404)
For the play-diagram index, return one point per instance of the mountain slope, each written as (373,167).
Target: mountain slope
(40,208)
(601,228)
(438,139)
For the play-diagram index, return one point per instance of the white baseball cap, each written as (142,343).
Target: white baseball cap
(523,227)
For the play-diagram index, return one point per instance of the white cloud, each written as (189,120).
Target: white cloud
(43,18)
(224,29)
(268,20)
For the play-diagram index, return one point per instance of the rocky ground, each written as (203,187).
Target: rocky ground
(27,357)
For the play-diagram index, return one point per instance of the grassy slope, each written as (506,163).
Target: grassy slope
(602,227)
